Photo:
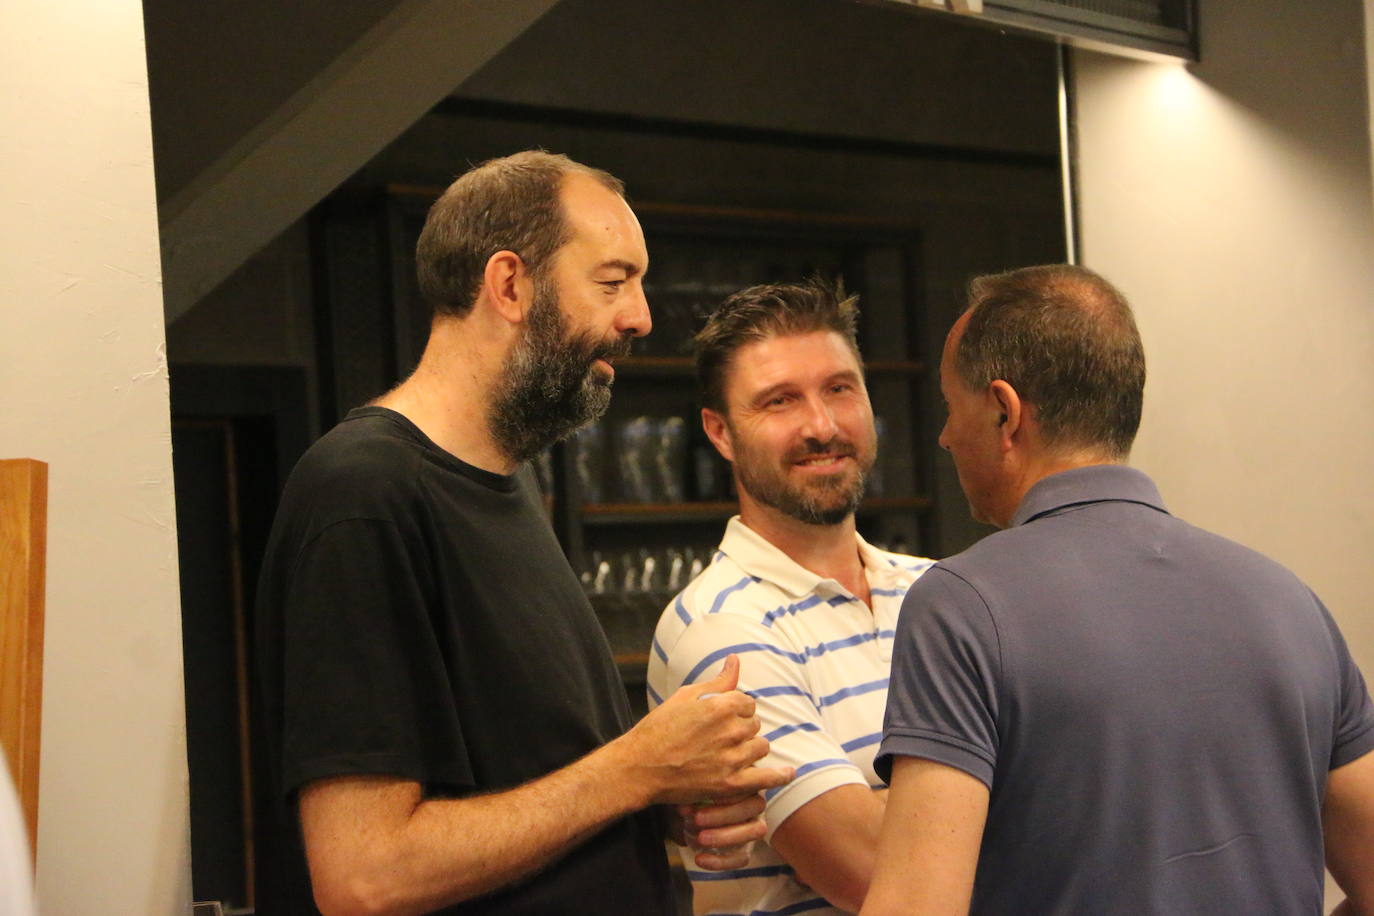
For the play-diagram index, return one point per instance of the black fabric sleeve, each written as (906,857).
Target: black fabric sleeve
(946,664)
(365,691)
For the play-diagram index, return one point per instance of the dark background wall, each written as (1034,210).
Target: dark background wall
(814,111)
(817,107)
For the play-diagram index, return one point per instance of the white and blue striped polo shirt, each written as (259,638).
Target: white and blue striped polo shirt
(815,659)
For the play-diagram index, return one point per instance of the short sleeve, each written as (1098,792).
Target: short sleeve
(1354,725)
(364,687)
(946,664)
(773,673)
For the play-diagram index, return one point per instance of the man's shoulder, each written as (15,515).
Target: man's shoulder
(989,554)
(900,564)
(1216,553)
(366,444)
(1042,547)
(723,587)
(365,467)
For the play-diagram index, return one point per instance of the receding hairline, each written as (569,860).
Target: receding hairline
(1089,293)
(592,175)
(1084,288)
(1065,337)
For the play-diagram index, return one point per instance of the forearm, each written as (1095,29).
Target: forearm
(375,846)
(425,854)
(832,841)
(1348,832)
(929,843)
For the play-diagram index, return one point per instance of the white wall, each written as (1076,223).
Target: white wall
(1231,202)
(83,386)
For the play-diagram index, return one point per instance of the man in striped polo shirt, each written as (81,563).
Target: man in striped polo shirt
(808,605)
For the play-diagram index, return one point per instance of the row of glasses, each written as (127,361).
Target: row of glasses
(629,589)
(664,571)
(650,460)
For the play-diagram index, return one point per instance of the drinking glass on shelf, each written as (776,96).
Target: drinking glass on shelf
(636,437)
(588,447)
(668,459)
(875,483)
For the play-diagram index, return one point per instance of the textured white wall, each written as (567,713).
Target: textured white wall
(1231,202)
(83,386)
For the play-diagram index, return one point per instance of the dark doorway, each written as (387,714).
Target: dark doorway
(235,432)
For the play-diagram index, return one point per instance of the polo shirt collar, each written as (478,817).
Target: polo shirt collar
(1092,484)
(760,559)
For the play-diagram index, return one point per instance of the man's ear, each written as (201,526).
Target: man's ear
(1009,409)
(718,431)
(506,284)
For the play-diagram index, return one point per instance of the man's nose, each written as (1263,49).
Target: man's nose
(820,421)
(634,319)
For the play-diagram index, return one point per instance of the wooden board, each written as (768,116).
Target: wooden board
(23,550)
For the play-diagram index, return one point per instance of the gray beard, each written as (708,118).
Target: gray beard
(547,388)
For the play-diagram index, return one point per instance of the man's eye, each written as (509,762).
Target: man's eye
(612,284)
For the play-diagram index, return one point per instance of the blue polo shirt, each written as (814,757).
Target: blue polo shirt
(1154,708)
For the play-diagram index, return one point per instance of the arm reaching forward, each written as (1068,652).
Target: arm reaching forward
(832,842)
(376,846)
(928,847)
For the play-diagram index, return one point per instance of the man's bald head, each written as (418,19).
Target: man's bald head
(1066,340)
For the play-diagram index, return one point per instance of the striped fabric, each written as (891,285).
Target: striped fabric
(815,659)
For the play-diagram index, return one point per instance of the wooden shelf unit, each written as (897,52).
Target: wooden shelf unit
(700,254)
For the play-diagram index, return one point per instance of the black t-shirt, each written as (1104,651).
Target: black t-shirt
(416,618)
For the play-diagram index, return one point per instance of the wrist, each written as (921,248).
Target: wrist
(624,772)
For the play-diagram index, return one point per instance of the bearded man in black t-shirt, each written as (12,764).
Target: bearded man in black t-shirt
(444,719)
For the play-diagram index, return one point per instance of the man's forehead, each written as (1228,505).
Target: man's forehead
(777,357)
(956,333)
(593,209)
(956,330)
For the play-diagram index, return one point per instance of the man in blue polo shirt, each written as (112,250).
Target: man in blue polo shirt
(1102,709)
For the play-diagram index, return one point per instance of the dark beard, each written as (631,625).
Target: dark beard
(823,505)
(548,388)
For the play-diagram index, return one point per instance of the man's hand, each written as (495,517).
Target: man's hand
(377,845)
(722,833)
(701,745)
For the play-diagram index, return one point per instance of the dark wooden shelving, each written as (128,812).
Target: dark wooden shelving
(673,513)
(895,367)
(654,366)
(896,504)
(672,366)
(661,513)
(701,254)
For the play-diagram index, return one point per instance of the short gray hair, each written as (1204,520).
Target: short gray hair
(1066,340)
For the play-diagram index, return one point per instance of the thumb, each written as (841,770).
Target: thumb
(724,682)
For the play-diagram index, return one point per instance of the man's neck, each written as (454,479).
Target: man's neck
(829,551)
(448,395)
(1048,465)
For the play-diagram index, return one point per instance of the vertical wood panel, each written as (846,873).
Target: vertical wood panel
(23,548)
